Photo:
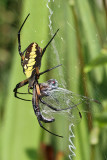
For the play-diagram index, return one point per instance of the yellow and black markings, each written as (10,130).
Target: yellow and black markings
(32,59)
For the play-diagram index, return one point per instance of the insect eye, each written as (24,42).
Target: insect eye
(53,82)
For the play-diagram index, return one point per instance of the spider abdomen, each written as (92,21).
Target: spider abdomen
(32,59)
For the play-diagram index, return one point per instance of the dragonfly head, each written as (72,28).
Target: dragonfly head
(53,83)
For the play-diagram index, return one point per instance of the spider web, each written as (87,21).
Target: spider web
(61,77)
(67,77)
(70,115)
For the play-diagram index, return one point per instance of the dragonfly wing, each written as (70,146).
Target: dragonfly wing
(70,103)
(63,99)
(70,115)
(60,99)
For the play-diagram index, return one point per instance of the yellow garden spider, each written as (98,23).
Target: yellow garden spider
(31,63)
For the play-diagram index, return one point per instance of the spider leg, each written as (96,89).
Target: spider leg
(44,49)
(49,69)
(19,43)
(78,109)
(35,102)
(56,109)
(19,85)
(24,93)
(48,130)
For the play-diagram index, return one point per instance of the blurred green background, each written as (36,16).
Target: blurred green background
(81,46)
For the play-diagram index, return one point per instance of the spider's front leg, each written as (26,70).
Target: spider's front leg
(19,42)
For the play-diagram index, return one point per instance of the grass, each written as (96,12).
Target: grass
(77,46)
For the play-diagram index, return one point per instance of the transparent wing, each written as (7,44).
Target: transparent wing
(67,101)
(63,98)
(70,115)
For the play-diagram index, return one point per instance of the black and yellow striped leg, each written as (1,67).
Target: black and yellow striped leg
(19,85)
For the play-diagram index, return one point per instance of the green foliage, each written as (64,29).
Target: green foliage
(79,47)
(100,60)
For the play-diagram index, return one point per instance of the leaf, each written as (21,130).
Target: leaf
(100,60)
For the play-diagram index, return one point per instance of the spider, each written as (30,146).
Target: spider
(31,63)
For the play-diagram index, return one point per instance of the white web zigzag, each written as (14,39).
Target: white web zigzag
(71,145)
(53,43)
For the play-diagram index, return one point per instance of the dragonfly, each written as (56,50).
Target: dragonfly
(48,99)
(56,100)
